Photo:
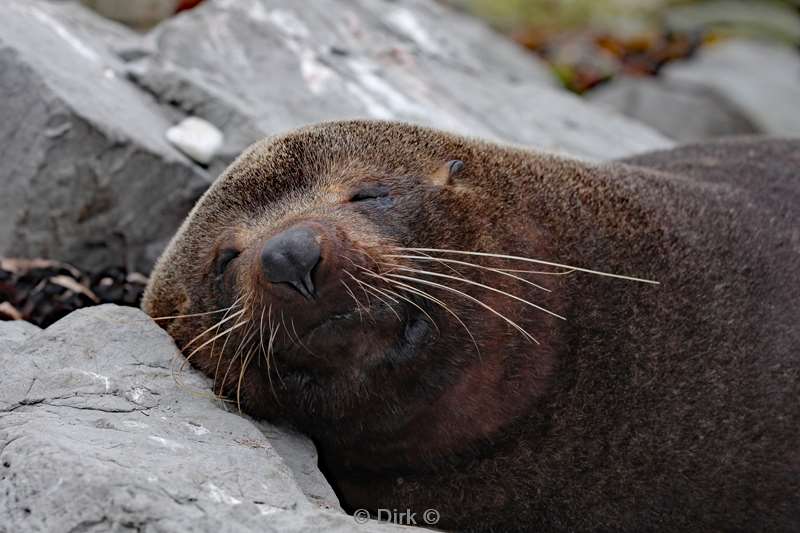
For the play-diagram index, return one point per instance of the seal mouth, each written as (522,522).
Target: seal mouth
(332,320)
(390,336)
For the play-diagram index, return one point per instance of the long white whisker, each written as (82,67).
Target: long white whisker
(216,325)
(465,295)
(415,305)
(194,314)
(235,326)
(473,265)
(528,260)
(378,294)
(481,285)
(423,294)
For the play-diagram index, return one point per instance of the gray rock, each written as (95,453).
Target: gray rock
(14,334)
(762,80)
(737,87)
(743,17)
(95,435)
(89,177)
(86,169)
(684,112)
(258,67)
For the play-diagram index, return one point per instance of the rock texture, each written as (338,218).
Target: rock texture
(96,436)
(256,67)
(88,176)
(86,169)
(736,87)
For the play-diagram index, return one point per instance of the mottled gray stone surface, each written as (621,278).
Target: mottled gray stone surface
(684,112)
(266,66)
(86,169)
(737,87)
(95,435)
(88,176)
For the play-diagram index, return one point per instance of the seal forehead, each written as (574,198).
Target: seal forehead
(329,154)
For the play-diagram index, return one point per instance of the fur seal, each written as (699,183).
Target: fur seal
(376,285)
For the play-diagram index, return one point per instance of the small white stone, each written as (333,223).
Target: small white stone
(197,138)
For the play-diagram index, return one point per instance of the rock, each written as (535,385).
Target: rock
(736,87)
(762,80)
(682,112)
(87,175)
(260,67)
(14,334)
(197,138)
(95,435)
(773,20)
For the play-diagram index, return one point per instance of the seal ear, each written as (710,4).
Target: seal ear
(444,175)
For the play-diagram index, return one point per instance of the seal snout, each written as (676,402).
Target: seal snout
(291,257)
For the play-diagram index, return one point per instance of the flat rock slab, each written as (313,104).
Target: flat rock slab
(95,435)
(88,175)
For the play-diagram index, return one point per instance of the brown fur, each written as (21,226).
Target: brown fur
(652,408)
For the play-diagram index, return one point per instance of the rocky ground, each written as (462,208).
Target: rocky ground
(95,435)
(108,137)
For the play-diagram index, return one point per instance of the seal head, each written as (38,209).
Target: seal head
(310,287)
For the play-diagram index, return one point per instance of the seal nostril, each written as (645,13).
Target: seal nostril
(291,257)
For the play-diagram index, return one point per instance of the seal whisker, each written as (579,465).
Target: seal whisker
(266,351)
(296,337)
(213,344)
(377,292)
(185,362)
(442,262)
(481,285)
(538,272)
(364,253)
(353,296)
(188,357)
(529,260)
(216,325)
(465,295)
(366,297)
(224,345)
(270,356)
(423,311)
(465,263)
(427,296)
(270,347)
(261,337)
(227,331)
(237,354)
(224,309)
(219,358)
(243,369)
(288,333)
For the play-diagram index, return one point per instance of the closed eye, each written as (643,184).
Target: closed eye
(224,260)
(370,193)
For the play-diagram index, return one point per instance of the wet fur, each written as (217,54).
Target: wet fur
(663,408)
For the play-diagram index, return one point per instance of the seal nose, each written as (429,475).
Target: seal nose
(290,257)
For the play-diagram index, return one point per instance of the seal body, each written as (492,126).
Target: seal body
(374,284)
